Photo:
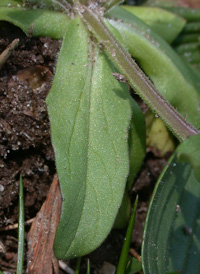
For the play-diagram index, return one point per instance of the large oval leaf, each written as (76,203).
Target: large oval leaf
(172,230)
(89,114)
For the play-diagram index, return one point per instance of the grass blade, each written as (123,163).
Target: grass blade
(20,255)
(78,264)
(125,249)
(88,266)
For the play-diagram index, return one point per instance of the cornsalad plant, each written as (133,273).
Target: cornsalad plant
(98,131)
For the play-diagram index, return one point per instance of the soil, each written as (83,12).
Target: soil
(25,148)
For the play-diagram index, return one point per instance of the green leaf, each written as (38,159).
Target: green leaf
(88,267)
(78,265)
(50,4)
(125,249)
(172,229)
(188,47)
(160,61)
(191,15)
(137,143)
(11,3)
(37,22)
(89,114)
(123,214)
(192,27)
(167,24)
(134,266)
(21,229)
(189,152)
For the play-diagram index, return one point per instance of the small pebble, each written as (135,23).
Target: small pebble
(1,188)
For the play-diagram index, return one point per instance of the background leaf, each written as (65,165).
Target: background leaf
(89,114)
(134,266)
(167,24)
(10,3)
(175,3)
(127,241)
(189,152)
(172,230)
(137,142)
(37,22)
(124,212)
(160,61)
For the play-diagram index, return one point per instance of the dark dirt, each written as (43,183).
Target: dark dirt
(25,147)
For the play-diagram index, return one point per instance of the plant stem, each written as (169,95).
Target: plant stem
(135,76)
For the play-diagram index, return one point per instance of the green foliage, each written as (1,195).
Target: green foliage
(137,143)
(11,3)
(37,22)
(171,235)
(123,214)
(171,76)
(78,264)
(167,24)
(89,118)
(133,266)
(125,249)
(98,131)
(189,152)
(21,229)
(88,267)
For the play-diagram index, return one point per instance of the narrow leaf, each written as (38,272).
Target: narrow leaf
(21,229)
(125,249)
(78,264)
(89,114)
(172,229)
(88,267)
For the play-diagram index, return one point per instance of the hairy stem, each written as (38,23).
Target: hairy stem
(135,76)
